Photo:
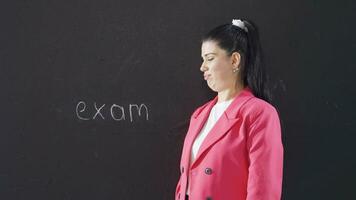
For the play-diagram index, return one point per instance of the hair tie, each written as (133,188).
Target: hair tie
(239,23)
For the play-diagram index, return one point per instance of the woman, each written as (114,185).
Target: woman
(233,148)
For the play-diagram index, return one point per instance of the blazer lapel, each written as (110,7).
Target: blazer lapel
(224,123)
(196,123)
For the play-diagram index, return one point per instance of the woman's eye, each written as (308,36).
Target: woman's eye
(209,59)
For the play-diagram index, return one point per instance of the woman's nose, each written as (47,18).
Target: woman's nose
(203,67)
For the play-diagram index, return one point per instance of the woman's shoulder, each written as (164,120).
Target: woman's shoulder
(256,107)
(256,104)
(201,107)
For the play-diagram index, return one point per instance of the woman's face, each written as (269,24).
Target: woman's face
(217,67)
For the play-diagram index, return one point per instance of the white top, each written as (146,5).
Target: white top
(215,113)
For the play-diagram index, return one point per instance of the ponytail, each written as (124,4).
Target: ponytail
(255,75)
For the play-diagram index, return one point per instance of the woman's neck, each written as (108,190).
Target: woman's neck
(229,93)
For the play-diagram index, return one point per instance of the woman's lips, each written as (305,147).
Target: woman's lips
(206,77)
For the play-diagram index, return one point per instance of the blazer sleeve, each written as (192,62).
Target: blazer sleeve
(178,185)
(265,153)
(177,189)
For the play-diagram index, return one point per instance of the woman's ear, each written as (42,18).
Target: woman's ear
(235,59)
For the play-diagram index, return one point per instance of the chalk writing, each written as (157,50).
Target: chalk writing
(117,112)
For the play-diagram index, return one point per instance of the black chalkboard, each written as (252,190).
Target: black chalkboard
(97,95)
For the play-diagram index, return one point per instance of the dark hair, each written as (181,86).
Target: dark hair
(235,39)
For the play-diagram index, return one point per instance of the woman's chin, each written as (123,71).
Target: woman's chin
(213,88)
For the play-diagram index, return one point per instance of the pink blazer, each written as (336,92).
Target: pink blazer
(241,157)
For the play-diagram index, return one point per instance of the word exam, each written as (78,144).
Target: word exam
(117,112)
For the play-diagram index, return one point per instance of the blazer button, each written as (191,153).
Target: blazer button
(208,171)
(182,169)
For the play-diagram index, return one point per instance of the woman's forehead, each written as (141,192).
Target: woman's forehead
(210,47)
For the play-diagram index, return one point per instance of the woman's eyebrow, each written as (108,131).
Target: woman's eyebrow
(208,54)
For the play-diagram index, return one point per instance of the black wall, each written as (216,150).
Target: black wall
(61,61)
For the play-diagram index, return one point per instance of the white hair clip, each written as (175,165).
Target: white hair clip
(239,23)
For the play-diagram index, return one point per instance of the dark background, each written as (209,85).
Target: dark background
(54,54)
